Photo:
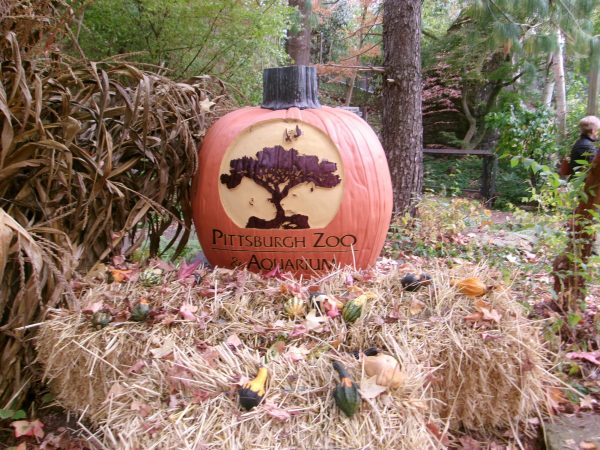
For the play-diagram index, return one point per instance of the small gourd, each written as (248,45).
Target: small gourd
(385,367)
(346,394)
(295,307)
(151,277)
(410,282)
(252,393)
(140,311)
(471,287)
(353,309)
(101,318)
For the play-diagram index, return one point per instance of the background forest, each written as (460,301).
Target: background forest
(513,76)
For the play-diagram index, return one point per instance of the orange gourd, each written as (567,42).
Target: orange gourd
(471,287)
(301,190)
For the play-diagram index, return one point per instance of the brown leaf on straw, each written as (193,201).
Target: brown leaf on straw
(277,413)
(137,366)
(200,396)
(437,433)
(369,388)
(474,317)
(491,315)
(94,307)
(468,443)
(314,323)
(416,307)
(142,408)
(555,398)
(187,311)
(234,342)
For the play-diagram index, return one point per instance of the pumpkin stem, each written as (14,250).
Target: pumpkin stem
(290,87)
(340,369)
(371,351)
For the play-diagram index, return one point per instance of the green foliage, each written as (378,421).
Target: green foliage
(526,136)
(227,38)
(12,414)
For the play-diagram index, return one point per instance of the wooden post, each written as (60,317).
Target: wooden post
(488,178)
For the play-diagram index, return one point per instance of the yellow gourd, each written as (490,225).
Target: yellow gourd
(252,393)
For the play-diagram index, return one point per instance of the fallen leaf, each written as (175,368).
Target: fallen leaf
(297,353)
(187,311)
(441,437)
(313,322)
(211,356)
(491,315)
(120,276)
(274,273)
(487,337)
(584,445)
(206,104)
(116,390)
(298,330)
(142,408)
(416,306)
(480,304)
(587,402)
(474,317)
(234,342)
(186,270)
(587,356)
(200,396)
(94,307)
(277,413)
(137,366)
(369,388)
(555,397)
(27,428)
(468,443)
(164,350)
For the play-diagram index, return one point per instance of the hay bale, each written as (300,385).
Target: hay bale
(172,383)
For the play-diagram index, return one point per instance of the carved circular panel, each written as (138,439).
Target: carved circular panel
(281,174)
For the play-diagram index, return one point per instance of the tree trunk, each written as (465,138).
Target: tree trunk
(298,44)
(559,78)
(350,88)
(402,130)
(569,267)
(548,85)
(594,81)
(472,121)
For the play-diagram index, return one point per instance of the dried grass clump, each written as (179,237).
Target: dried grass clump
(34,264)
(484,372)
(91,154)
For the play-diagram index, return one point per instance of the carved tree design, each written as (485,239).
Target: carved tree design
(278,170)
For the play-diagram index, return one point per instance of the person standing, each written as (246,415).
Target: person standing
(584,148)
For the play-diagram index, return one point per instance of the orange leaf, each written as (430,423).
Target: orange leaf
(121,275)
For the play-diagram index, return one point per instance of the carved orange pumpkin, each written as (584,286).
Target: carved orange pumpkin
(299,189)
